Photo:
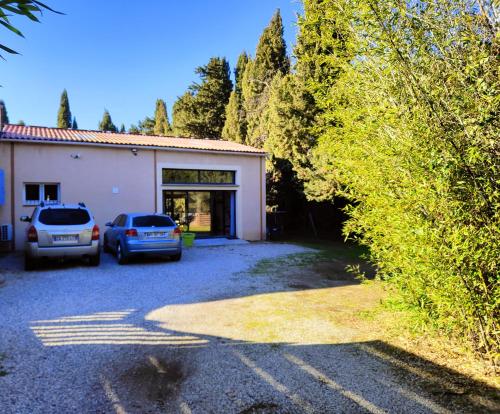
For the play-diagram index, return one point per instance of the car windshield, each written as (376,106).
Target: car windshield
(64,216)
(152,221)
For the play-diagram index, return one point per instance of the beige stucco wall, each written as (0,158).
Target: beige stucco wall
(92,177)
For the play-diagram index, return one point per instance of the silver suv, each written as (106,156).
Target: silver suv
(61,230)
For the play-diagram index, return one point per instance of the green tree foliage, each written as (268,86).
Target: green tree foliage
(162,125)
(291,117)
(24,8)
(183,113)
(21,123)
(134,129)
(74,125)
(234,129)
(243,59)
(235,124)
(270,59)
(321,50)
(147,126)
(410,101)
(64,114)
(106,123)
(122,129)
(322,47)
(3,113)
(200,112)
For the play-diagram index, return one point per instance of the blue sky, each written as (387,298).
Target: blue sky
(123,55)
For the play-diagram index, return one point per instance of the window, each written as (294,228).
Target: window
(178,176)
(64,216)
(34,193)
(120,220)
(216,177)
(152,221)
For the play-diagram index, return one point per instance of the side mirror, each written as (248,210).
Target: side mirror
(109,224)
(26,219)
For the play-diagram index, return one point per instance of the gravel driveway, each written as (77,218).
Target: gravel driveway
(76,339)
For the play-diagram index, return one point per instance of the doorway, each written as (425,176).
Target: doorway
(206,213)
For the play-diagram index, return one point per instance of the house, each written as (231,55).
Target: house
(216,187)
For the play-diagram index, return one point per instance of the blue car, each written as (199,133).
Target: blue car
(143,234)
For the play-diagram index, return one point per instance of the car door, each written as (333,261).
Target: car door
(120,229)
(114,232)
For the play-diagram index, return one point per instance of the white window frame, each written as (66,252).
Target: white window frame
(41,194)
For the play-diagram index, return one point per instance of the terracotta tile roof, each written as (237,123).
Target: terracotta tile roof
(61,135)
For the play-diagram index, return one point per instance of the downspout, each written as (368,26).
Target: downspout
(262,237)
(155,183)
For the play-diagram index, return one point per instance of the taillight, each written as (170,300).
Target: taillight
(131,233)
(177,231)
(32,234)
(95,232)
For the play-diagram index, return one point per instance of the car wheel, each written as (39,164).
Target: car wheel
(95,260)
(105,246)
(120,255)
(29,264)
(176,257)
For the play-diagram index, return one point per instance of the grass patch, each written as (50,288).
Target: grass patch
(347,258)
(266,266)
(334,250)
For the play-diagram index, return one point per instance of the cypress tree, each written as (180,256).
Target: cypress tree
(239,71)
(122,129)
(235,124)
(64,114)
(74,125)
(3,113)
(291,118)
(162,125)
(270,59)
(270,56)
(233,127)
(182,114)
(200,112)
(106,123)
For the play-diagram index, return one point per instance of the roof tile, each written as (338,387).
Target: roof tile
(61,135)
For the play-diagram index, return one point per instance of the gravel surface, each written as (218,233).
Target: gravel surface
(85,340)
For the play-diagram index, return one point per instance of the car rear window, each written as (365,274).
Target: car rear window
(64,216)
(152,221)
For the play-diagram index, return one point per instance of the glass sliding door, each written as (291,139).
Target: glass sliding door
(175,205)
(207,213)
(199,211)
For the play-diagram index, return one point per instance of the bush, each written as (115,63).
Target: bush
(414,143)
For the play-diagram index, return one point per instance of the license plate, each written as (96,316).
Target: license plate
(155,234)
(66,238)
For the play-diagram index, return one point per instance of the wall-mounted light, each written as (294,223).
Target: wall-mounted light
(134,151)
(76,156)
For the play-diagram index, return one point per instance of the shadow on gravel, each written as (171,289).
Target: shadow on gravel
(153,366)
(367,376)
